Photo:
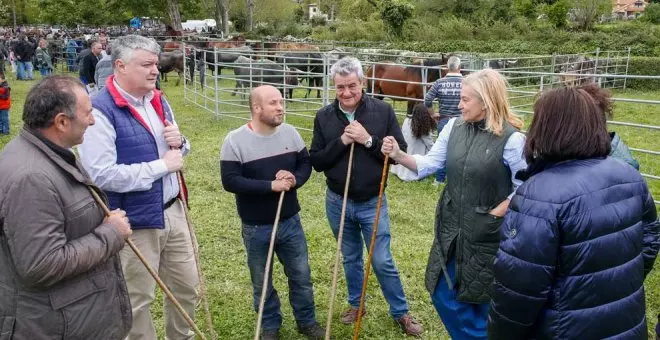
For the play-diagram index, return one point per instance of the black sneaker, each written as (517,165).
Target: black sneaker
(312,331)
(270,334)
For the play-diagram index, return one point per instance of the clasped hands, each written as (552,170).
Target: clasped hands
(284,181)
(355,132)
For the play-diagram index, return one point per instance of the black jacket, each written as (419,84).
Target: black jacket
(88,68)
(330,155)
(24,51)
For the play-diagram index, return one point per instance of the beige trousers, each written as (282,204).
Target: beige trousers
(169,252)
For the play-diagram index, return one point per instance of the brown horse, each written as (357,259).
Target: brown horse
(236,41)
(284,46)
(171,32)
(406,79)
(170,46)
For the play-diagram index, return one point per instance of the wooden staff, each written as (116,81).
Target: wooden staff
(356,332)
(269,258)
(137,252)
(340,234)
(193,240)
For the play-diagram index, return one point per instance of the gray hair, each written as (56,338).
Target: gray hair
(453,64)
(346,66)
(123,47)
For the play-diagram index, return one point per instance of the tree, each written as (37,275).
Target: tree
(557,13)
(250,12)
(63,12)
(502,10)
(222,15)
(587,12)
(299,14)
(652,13)
(525,8)
(174,15)
(395,13)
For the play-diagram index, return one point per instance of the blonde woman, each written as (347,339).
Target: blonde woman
(482,151)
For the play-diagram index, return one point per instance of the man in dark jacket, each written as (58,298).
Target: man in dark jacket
(60,273)
(356,118)
(89,62)
(24,52)
(4,54)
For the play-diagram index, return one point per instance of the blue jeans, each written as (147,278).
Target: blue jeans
(463,321)
(291,250)
(358,225)
(45,71)
(440,173)
(21,68)
(4,122)
(71,61)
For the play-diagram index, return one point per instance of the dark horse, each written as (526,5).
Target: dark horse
(171,32)
(408,79)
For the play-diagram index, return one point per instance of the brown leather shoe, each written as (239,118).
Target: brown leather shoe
(410,325)
(350,316)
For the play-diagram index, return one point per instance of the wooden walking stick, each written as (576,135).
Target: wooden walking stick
(386,164)
(193,240)
(340,234)
(269,258)
(137,252)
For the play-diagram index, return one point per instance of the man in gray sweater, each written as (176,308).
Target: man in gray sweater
(103,69)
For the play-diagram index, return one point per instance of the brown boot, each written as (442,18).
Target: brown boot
(350,316)
(410,325)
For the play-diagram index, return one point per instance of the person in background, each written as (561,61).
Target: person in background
(43,61)
(482,151)
(24,51)
(88,64)
(103,70)
(417,130)
(580,235)
(5,105)
(4,54)
(619,150)
(447,90)
(71,49)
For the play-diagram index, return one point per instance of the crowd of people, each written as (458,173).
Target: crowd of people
(548,235)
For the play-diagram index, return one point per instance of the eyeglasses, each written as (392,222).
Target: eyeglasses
(351,87)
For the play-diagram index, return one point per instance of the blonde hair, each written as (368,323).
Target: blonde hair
(491,87)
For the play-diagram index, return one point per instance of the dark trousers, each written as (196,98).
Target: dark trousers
(291,250)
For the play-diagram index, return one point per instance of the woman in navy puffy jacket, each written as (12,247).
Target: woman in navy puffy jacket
(581,233)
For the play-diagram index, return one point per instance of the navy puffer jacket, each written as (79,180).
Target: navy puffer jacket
(576,244)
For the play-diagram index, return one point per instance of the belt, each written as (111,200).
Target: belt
(170,202)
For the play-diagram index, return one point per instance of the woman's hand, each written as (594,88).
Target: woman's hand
(500,209)
(390,147)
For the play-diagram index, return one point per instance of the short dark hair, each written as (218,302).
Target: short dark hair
(568,123)
(50,96)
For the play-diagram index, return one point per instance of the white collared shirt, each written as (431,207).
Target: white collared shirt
(98,153)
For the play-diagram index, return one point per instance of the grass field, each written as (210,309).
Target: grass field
(411,210)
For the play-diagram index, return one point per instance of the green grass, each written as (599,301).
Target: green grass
(411,211)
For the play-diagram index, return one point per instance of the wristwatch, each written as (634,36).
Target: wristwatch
(369,143)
